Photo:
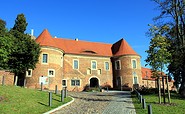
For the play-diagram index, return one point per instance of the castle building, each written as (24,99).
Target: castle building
(77,64)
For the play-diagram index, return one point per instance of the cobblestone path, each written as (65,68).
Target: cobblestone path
(99,103)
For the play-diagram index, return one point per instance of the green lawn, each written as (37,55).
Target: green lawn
(17,100)
(177,106)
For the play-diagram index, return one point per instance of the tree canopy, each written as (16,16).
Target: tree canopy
(18,52)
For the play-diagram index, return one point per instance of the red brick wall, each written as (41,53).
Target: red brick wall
(126,72)
(55,61)
(8,77)
(105,78)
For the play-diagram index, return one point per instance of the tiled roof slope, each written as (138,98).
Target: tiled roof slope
(83,47)
(45,39)
(122,48)
(146,73)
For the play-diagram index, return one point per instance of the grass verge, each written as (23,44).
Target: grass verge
(176,107)
(17,100)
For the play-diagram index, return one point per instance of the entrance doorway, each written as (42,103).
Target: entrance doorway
(94,82)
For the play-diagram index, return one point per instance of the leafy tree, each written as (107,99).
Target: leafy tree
(26,52)
(173,14)
(6,45)
(158,54)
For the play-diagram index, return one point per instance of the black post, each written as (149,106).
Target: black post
(143,103)
(140,99)
(41,86)
(149,109)
(65,92)
(138,95)
(62,95)
(3,80)
(50,99)
(56,89)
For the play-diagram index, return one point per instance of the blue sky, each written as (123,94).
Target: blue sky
(92,20)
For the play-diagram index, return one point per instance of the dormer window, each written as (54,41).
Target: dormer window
(89,51)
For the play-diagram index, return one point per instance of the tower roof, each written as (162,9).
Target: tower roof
(45,39)
(122,48)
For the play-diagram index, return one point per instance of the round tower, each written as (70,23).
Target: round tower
(126,66)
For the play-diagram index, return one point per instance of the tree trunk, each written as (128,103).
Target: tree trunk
(159,89)
(163,89)
(169,99)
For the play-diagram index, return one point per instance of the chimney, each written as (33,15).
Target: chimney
(76,39)
(32,31)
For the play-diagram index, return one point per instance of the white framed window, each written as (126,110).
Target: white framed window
(88,71)
(134,63)
(107,66)
(64,82)
(99,71)
(75,82)
(93,65)
(51,73)
(75,64)
(135,78)
(118,65)
(29,73)
(44,58)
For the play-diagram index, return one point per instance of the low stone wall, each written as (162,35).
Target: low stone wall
(8,77)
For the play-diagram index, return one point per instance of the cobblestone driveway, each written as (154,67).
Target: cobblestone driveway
(99,103)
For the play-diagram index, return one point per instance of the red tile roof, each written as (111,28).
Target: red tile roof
(146,73)
(45,39)
(83,47)
(122,48)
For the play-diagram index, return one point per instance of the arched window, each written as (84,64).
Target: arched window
(135,78)
(134,64)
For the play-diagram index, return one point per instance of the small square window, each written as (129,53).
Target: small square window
(75,82)
(99,71)
(51,72)
(88,71)
(29,73)
(64,83)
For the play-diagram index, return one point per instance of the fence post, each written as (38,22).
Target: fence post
(140,99)
(56,89)
(41,86)
(65,92)
(143,103)
(16,79)
(50,99)
(107,89)
(62,95)
(3,80)
(149,109)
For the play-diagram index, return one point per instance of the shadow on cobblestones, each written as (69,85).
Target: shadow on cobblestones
(90,99)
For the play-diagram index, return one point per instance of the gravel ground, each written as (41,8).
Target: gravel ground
(90,103)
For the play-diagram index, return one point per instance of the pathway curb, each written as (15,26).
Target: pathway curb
(58,108)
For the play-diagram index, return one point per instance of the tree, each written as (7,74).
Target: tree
(6,45)
(26,52)
(158,54)
(173,14)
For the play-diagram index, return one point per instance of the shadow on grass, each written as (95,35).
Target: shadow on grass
(56,99)
(43,104)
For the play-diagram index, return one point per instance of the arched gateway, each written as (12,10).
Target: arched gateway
(94,82)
